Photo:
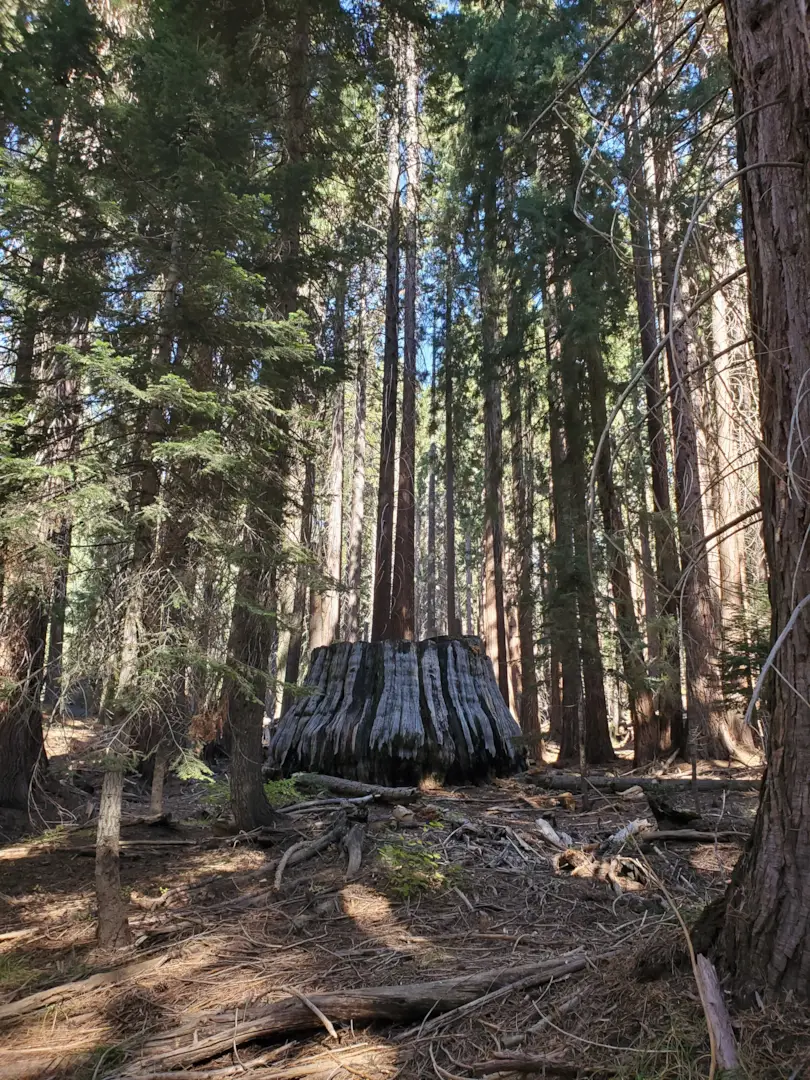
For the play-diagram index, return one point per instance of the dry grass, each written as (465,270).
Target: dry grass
(481,891)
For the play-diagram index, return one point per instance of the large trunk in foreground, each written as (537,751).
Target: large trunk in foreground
(392,712)
(766,938)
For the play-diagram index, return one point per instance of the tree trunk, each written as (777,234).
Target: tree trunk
(354,560)
(162,755)
(453,621)
(112,928)
(243,693)
(666,662)
(728,487)
(58,612)
(324,620)
(766,935)
(403,611)
(494,611)
(646,735)
(430,583)
(529,715)
(384,554)
(598,747)
(393,712)
(468,579)
(295,647)
(562,615)
(698,612)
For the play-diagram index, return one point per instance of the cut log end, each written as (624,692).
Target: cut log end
(395,712)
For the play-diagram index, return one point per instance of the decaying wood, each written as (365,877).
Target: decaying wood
(690,836)
(544,1065)
(70,989)
(392,712)
(569,964)
(714,1006)
(353,843)
(313,1008)
(566,782)
(147,819)
(322,804)
(230,1030)
(559,1010)
(354,788)
(305,849)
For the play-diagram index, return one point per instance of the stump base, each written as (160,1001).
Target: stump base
(393,712)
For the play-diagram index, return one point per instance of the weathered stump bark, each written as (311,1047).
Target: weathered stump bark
(391,712)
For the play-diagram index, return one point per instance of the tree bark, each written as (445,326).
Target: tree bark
(766,935)
(529,714)
(243,692)
(384,554)
(665,668)
(295,648)
(728,461)
(354,567)
(598,747)
(393,712)
(563,615)
(453,620)
(698,612)
(113,927)
(403,601)
(468,579)
(646,735)
(324,620)
(494,611)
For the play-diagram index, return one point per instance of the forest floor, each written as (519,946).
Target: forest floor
(469,885)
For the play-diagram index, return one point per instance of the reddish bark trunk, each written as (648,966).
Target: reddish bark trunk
(295,648)
(384,555)
(494,611)
(355,552)
(666,666)
(403,601)
(453,621)
(766,937)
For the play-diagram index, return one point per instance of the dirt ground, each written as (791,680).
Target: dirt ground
(465,883)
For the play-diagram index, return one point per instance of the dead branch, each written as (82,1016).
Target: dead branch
(305,849)
(70,989)
(321,804)
(396,1004)
(353,843)
(547,1066)
(355,788)
(313,1008)
(717,1017)
(690,836)
(564,782)
(564,967)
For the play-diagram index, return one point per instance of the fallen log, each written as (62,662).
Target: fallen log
(70,989)
(395,1004)
(565,781)
(353,788)
(689,836)
(544,1065)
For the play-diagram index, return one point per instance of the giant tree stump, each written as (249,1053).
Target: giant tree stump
(391,712)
